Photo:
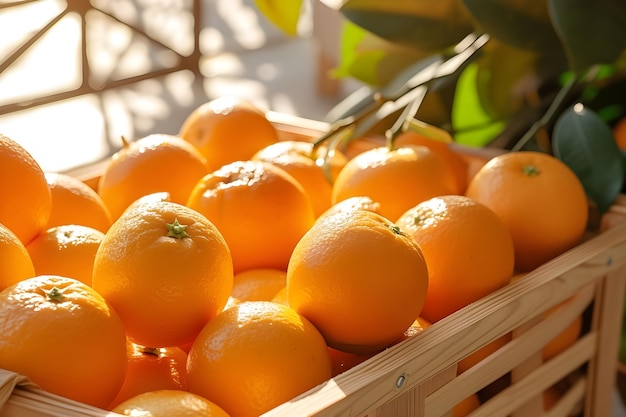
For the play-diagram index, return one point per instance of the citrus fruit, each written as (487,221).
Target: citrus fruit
(359,279)
(258,284)
(150,198)
(166,270)
(67,250)
(458,165)
(228,129)
(260,209)
(74,202)
(152,369)
(466,406)
(482,353)
(619,133)
(151,164)
(343,361)
(255,356)
(565,338)
(64,337)
(169,403)
(15,262)
(307,164)
(397,178)
(25,201)
(540,200)
(468,249)
(350,204)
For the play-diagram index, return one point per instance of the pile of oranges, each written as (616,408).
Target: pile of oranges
(224,271)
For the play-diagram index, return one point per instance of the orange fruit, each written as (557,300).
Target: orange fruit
(258,284)
(166,270)
(343,361)
(24,194)
(255,356)
(352,203)
(150,198)
(539,198)
(563,340)
(15,262)
(260,209)
(619,133)
(151,164)
(466,407)
(64,337)
(468,249)
(417,327)
(308,166)
(152,369)
(74,202)
(68,250)
(397,178)
(281,296)
(359,279)
(458,165)
(169,403)
(482,353)
(228,129)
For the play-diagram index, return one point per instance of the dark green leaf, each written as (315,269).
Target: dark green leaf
(593,31)
(521,23)
(421,24)
(585,143)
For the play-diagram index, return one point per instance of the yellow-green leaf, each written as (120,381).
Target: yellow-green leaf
(285,14)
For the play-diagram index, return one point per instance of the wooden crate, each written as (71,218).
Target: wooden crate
(419,377)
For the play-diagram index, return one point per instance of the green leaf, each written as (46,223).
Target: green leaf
(284,14)
(521,23)
(471,123)
(593,31)
(371,59)
(585,143)
(421,24)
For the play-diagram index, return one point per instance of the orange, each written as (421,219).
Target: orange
(568,336)
(563,340)
(74,202)
(359,279)
(150,198)
(417,327)
(15,262)
(260,209)
(308,166)
(258,284)
(343,361)
(228,129)
(482,353)
(68,250)
(466,407)
(468,249)
(619,133)
(255,356)
(169,403)
(63,336)
(539,198)
(152,369)
(166,270)
(24,194)
(352,203)
(151,164)
(281,296)
(397,179)
(458,165)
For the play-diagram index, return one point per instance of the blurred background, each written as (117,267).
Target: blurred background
(75,76)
